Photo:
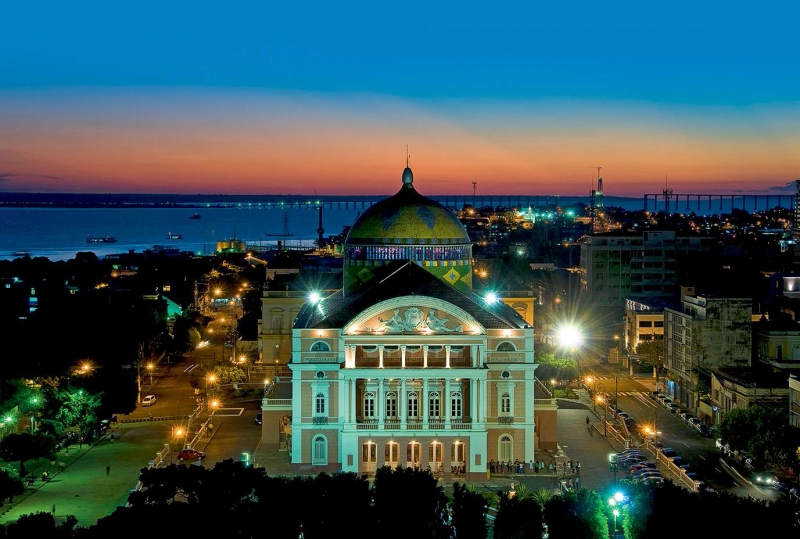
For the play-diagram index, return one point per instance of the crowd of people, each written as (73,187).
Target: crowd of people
(535,467)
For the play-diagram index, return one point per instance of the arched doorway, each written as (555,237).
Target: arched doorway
(458,457)
(369,457)
(435,455)
(413,454)
(392,454)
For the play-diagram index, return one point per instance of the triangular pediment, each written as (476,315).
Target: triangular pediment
(414,314)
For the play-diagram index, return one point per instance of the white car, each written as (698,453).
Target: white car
(149,400)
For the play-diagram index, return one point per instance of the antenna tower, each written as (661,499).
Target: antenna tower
(667,192)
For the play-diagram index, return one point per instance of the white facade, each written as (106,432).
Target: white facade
(412,381)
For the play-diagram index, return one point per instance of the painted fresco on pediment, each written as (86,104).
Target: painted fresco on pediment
(414,319)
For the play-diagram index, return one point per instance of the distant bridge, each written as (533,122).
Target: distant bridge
(675,202)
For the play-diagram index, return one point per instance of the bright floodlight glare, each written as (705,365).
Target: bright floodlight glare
(569,336)
(619,496)
(314,297)
(490,298)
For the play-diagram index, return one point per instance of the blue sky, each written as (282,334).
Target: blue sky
(719,58)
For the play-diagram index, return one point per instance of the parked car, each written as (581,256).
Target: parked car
(258,418)
(671,407)
(190,454)
(654,395)
(694,421)
(704,429)
(645,474)
(149,400)
(686,416)
(668,452)
(653,480)
(646,465)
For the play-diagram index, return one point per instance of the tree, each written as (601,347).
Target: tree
(79,410)
(469,512)
(576,514)
(40,525)
(651,352)
(415,490)
(518,518)
(10,486)
(26,446)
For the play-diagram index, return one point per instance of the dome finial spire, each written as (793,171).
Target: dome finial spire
(408,177)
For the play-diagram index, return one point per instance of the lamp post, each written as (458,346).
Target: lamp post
(150,368)
(601,394)
(210,378)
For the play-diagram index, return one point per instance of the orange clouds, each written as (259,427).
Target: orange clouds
(183,141)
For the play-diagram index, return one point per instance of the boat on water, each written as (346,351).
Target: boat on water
(21,253)
(195,216)
(173,236)
(101,239)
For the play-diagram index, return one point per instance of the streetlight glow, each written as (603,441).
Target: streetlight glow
(491,298)
(569,336)
(314,297)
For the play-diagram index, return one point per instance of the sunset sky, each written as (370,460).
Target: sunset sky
(304,97)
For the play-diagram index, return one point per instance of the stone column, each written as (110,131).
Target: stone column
(380,406)
(403,357)
(447,357)
(352,400)
(473,400)
(380,357)
(424,357)
(380,453)
(447,404)
(447,462)
(423,403)
(484,404)
(402,404)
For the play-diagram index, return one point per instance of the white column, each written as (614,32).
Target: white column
(381,406)
(402,403)
(423,403)
(473,399)
(473,356)
(446,403)
(344,402)
(483,406)
(380,357)
(403,357)
(447,357)
(352,400)
(424,357)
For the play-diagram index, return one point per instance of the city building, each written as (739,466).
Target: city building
(406,365)
(704,334)
(794,401)
(644,321)
(617,266)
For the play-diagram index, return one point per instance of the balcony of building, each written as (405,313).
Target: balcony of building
(413,357)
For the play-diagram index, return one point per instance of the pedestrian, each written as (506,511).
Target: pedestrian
(578,467)
(587,421)
(551,466)
(531,467)
(577,481)
(108,470)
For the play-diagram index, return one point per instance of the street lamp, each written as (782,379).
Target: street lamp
(211,378)
(150,370)
(601,397)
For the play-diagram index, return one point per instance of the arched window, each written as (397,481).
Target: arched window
(391,405)
(456,406)
(413,405)
(319,451)
(319,404)
(505,448)
(505,404)
(369,404)
(433,405)
(320,346)
(506,346)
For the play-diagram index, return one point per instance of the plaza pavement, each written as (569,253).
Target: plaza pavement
(85,489)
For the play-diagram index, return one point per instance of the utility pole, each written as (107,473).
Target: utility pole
(474,190)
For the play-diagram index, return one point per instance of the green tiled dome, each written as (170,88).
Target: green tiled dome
(408,226)
(407,218)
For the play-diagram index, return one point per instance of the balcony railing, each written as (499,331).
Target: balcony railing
(319,420)
(410,424)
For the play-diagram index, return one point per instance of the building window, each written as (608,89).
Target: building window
(276,322)
(433,404)
(319,404)
(456,405)
(505,404)
(391,405)
(320,346)
(506,346)
(645,323)
(505,448)
(369,404)
(413,405)
(320,451)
